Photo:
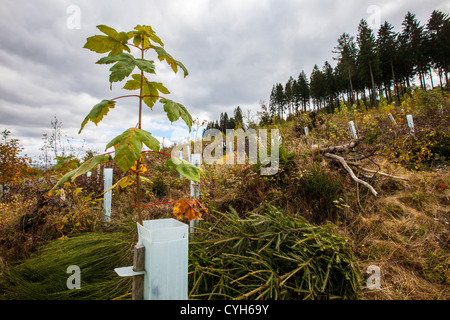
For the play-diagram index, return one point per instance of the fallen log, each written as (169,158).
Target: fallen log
(346,148)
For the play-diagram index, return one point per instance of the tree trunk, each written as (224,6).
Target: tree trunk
(440,78)
(374,90)
(446,79)
(351,86)
(431,78)
(421,81)
(394,81)
(424,81)
(386,92)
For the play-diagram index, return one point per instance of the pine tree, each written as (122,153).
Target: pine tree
(238,118)
(329,90)
(221,122)
(289,95)
(279,100)
(415,40)
(304,92)
(225,122)
(347,54)
(295,96)
(317,86)
(368,60)
(439,42)
(273,107)
(387,50)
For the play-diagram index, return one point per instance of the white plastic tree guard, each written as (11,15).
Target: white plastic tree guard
(409,119)
(306,131)
(166,259)
(108,178)
(195,186)
(351,125)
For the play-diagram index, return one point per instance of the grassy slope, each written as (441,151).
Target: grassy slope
(404,231)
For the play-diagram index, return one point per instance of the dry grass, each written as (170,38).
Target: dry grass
(405,231)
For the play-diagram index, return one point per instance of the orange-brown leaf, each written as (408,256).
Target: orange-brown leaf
(190,209)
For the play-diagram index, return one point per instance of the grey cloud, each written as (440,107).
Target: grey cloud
(234,50)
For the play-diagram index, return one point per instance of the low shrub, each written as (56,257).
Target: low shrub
(321,189)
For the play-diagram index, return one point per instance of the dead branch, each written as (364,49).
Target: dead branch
(350,171)
(347,148)
(344,148)
(377,172)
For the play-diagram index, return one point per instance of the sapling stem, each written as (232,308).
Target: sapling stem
(138,165)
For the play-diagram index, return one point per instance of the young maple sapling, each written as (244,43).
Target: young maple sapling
(128,145)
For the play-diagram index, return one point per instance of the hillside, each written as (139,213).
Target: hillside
(404,230)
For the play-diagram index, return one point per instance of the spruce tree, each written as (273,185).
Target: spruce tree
(439,42)
(347,54)
(304,92)
(368,60)
(387,50)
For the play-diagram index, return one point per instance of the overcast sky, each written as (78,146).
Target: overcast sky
(234,50)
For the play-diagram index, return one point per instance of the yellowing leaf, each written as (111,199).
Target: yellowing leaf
(98,112)
(142,36)
(85,167)
(150,89)
(113,42)
(174,64)
(128,146)
(122,183)
(142,168)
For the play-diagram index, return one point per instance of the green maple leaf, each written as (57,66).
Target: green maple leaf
(149,88)
(175,111)
(186,169)
(174,64)
(128,146)
(85,167)
(113,42)
(125,64)
(98,112)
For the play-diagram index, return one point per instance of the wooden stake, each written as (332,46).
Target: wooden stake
(138,265)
